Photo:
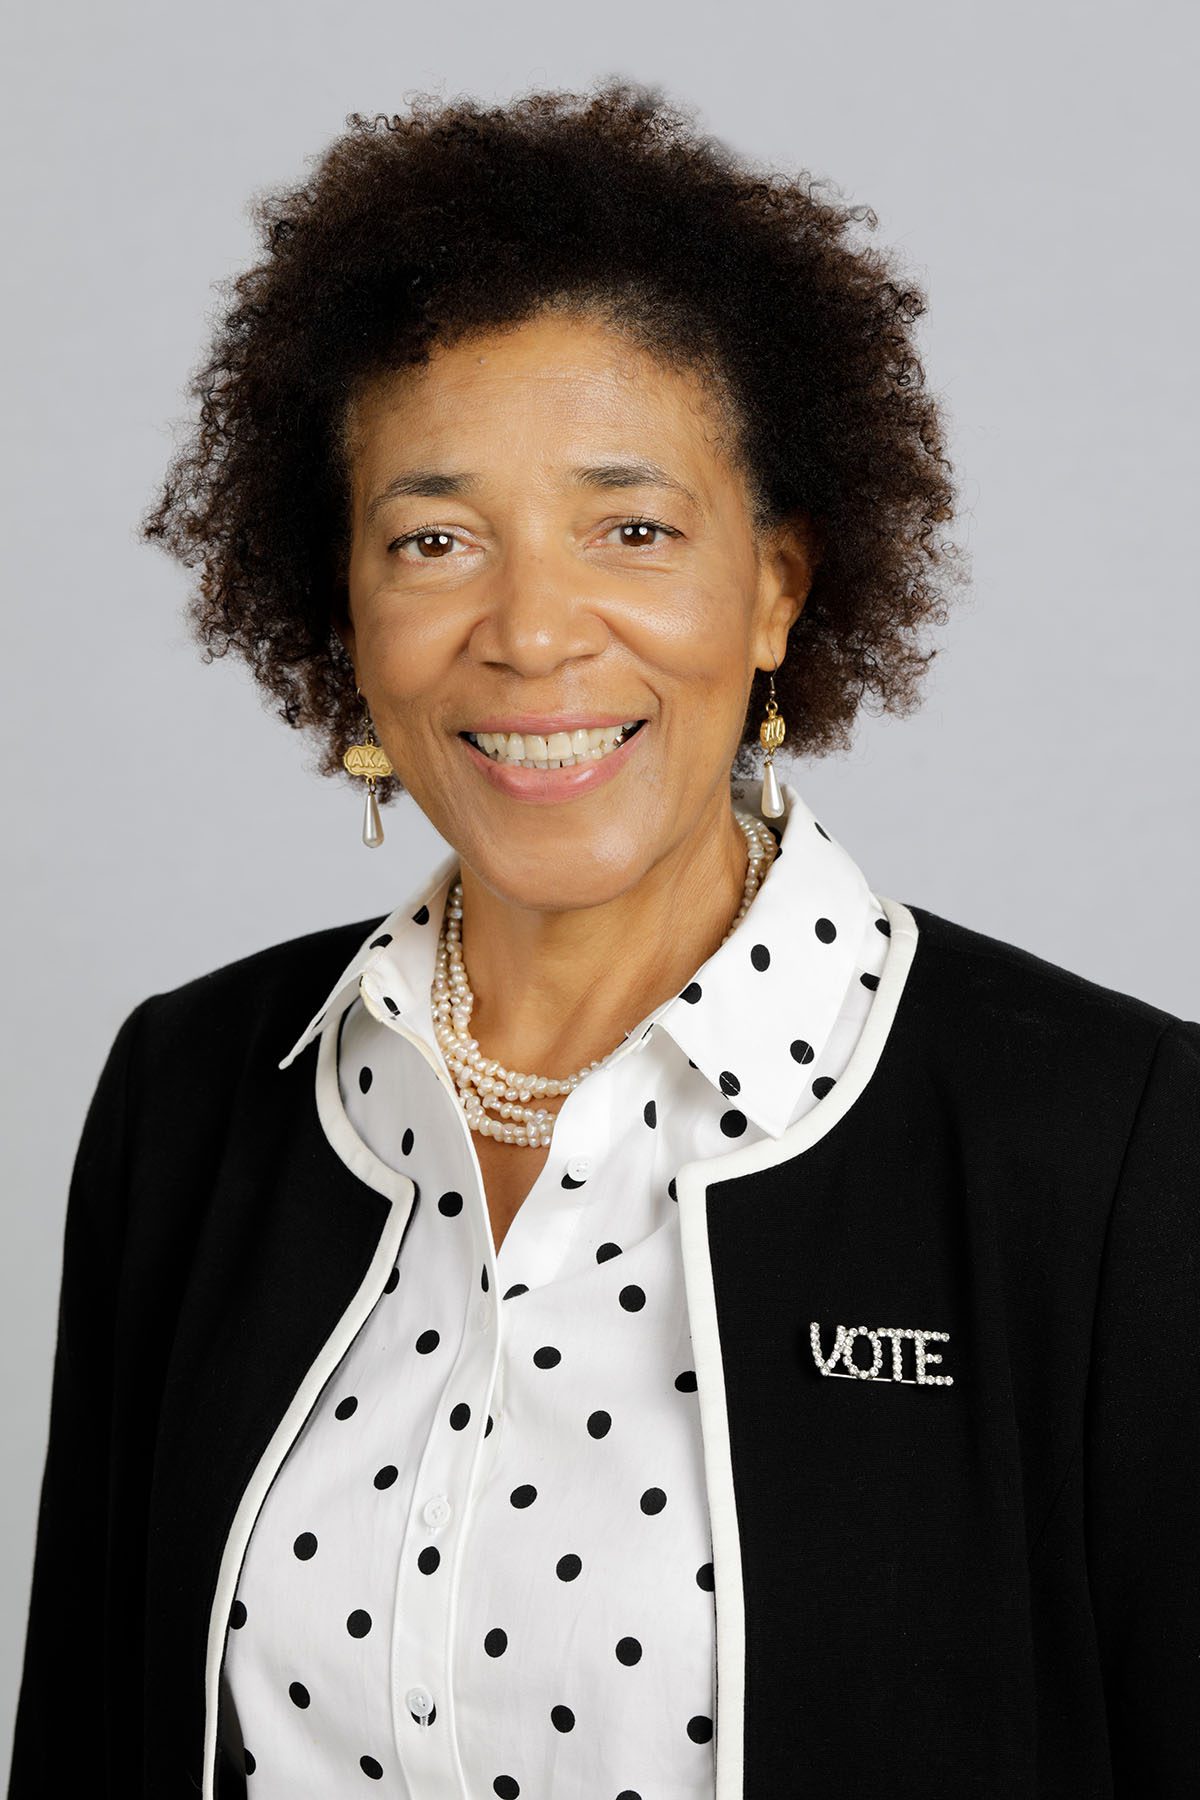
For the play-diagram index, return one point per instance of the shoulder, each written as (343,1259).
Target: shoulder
(1004,1017)
(252,1007)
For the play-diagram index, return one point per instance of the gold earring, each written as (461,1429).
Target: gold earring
(771,734)
(370,760)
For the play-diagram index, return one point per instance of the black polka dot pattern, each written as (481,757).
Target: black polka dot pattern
(585,1587)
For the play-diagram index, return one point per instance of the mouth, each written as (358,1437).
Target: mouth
(575,748)
(547,780)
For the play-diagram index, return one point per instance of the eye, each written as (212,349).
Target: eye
(641,526)
(428,536)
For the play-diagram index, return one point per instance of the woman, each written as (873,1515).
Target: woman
(457,1396)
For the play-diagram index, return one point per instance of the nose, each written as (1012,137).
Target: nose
(538,613)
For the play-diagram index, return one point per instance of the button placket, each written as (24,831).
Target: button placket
(424,1628)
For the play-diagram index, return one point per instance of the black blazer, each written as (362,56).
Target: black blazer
(988,1590)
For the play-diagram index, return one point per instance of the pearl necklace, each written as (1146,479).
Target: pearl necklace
(480,1080)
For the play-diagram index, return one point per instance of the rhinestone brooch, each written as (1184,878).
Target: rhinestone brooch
(843,1352)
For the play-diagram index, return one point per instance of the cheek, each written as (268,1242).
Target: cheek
(407,660)
(697,635)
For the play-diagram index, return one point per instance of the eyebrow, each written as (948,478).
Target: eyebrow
(447,484)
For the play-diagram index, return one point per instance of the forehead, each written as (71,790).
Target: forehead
(550,389)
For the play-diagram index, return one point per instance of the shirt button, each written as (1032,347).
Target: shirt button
(437,1510)
(483,1314)
(419,1700)
(579,1168)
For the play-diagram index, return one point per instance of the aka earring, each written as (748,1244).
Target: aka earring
(771,734)
(370,760)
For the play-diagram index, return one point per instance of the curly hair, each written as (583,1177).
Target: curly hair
(417,231)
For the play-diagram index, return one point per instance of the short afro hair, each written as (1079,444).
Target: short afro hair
(416,231)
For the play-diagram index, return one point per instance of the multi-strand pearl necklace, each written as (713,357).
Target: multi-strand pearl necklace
(480,1080)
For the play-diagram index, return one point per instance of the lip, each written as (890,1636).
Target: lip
(554,785)
(544,723)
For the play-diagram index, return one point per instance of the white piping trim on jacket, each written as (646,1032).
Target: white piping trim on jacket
(399,1189)
(692,1183)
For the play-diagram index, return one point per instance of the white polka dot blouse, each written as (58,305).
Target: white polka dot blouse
(484,1567)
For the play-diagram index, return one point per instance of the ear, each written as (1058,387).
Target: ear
(789,563)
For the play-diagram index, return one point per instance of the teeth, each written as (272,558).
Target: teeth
(560,750)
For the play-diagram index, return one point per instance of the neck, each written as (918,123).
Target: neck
(555,990)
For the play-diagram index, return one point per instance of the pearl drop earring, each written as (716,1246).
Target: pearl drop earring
(370,760)
(771,734)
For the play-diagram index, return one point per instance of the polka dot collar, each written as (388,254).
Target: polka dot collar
(751,1017)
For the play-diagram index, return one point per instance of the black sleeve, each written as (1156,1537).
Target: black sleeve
(59,1743)
(1142,1438)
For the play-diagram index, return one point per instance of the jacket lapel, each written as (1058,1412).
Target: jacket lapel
(739,1250)
(293,1251)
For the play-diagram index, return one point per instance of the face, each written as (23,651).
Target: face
(495,576)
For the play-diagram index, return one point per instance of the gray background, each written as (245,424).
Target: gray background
(1032,165)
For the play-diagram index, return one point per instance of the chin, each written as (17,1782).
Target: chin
(556,883)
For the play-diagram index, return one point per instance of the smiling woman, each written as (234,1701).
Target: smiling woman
(417,232)
(471,1414)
